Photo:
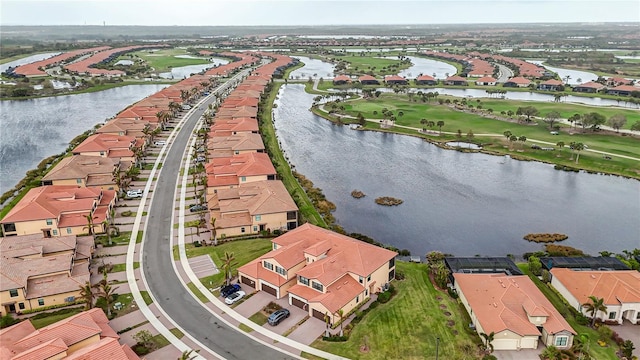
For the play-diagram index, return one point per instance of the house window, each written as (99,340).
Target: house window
(361,279)
(292,215)
(303,280)
(13,292)
(612,315)
(317,286)
(392,274)
(357,299)
(21,306)
(69,230)
(243,178)
(255,228)
(101,153)
(49,221)
(258,217)
(268,265)
(9,227)
(561,341)
(242,230)
(41,302)
(392,263)
(78,181)
(275,246)
(281,271)
(237,152)
(366,292)
(368,278)
(55,232)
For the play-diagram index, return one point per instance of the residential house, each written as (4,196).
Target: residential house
(517,81)
(612,82)
(127,127)
(619,289)
(58,210)
(583,263)
(226,127)
(253,207)
(623,90)
(514,309)
(84,171)
(391,80)
(368,80)
(426,80)
(456,80)
(321,271)
(240,143)
(107,145)
(229,172)
(341,80)
(589,87)
(487,81)
(86,335)
(551,85)
(37,271)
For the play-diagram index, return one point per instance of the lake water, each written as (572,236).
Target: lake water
(459,203)
(574,75)
(38,128)
(313,68)
(183,72)
(427,67)
(26,60)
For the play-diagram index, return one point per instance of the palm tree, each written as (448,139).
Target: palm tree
(551,353)
(560,145)
(90,225)
(86,293)
(107,292)
(187,355)
(341,314)
(440,124)
(577,147)
(596,304)
(512,139)
(522,139)
(423,121)
(214,231)
(487,341)
(227,266)
(109,227)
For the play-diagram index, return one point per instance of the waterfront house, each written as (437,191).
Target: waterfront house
(487,81)
(37,271)
(589,87)
(321,271)
(127,127)
(517,81)
(84,171)
(83,336)
(341,80)
(368,80)
(58,210)
(109,146)
(226,127)
(240,143)
(551,85)
(235,101)
(620,290)
(616,81)
(514,309)
(229,172)
(253,207)
(456,80)
(391,80)
(426,80)
(623,90)
(583,263)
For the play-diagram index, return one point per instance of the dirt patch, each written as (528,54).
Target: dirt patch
(443,306)
(446,313)
(450,323)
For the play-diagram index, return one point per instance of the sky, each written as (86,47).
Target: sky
(312,12)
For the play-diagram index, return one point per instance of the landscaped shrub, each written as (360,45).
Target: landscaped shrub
(7,321)
(582,319)
(605,332)
(335,338)
(452,293)
(384,297)
(489,357)
(197,244)
(140,349)
(399,275)
(374,305)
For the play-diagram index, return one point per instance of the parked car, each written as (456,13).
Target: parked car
(235,297)
(197,207)
(229,289)
(159,143)
(277,317)
(200,159)
(134,193)
(554,133)
(537,147)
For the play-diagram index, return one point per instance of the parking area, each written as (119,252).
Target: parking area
(203,266)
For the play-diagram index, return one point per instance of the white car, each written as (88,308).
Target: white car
(236,296)
(160,143)
(134,193)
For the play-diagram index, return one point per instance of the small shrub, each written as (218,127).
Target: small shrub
(374,305)
(197,244)
(605,332)
(489,357)
(452,293)
(384,297)
(140,349)
(335,338)
(582,319)
(400,275)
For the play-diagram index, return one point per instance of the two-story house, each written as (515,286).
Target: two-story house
(321,271)
(84,171)
(229,172)
(240,143)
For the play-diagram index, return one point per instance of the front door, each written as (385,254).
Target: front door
(12,308)
(262,227)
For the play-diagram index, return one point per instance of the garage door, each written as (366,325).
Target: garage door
(505,344)
(269,290)
(318,315)
(299,303)
(248,281)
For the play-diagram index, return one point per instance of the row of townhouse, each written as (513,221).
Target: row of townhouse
(322,272)
(44,257)
(503,301)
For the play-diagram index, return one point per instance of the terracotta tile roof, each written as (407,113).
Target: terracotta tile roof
(36,244)
(455,78)
(80,167)
(394,78)
(237,142)
(425,78)
(247,164)
(233,101)
(342,78)
(615,287)
(487,79)
(239,112)
(519,80)
(234,125)
(49,202)
(60,283)
(105,349)
(501,302)
(16,332)
(552,82)
(590,84)
(337,295)
(367,78)
(43,351)
(123,125)
(625,88)
(33,68)
(104,142)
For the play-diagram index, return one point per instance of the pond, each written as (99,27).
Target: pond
(427,67)
(575,76)
(38,128)
(313,68)
(183,72)
(460,203)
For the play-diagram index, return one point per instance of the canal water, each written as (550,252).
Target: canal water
(460,203)
(313,68)
(575,76)
(35,129)
(427,67)
(183,72)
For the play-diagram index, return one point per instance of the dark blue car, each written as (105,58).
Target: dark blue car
(229,289)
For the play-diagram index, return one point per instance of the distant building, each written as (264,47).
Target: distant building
(456,80)
(85,171)
(518,81)
(426,80)
(341,80)
(368,80)
(551,85)
(589,87)
(486,81)
(395,80)
(623,90)
(230,172)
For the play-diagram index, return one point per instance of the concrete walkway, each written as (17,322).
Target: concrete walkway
(203,266)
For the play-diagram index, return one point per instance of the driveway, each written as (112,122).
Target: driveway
(628,331)
(296,316)
(524,354)
(254,303)
(308,331)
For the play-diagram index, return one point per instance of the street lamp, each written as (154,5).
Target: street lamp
(437,345)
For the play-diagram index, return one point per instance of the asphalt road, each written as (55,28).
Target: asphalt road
(504,73)
(162,281)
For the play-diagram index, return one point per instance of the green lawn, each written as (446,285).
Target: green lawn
(146,297)
(123,267)
(43,319)
(407,326)
(164,59)
(259,318)
(597,351)
(378,66)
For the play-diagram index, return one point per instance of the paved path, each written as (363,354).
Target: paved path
(203,266)
(128,320)
(504,73)
(127,337)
